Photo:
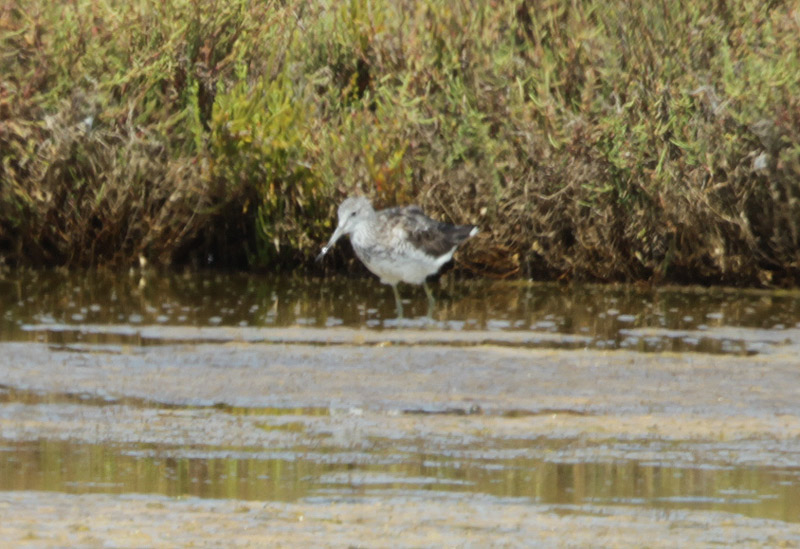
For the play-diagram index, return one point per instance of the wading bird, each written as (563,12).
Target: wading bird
(398,244)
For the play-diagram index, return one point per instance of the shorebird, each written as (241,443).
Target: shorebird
(398,244)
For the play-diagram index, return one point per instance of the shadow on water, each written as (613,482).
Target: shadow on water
(100,307)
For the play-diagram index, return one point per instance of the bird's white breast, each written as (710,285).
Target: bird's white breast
(394,259)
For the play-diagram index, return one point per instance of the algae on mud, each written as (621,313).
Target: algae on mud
(555,439)
(93,520)
(308,412)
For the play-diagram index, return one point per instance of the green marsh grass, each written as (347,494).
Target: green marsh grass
(635,141)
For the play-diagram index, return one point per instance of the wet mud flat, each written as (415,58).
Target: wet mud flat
(359,440)
(58,520)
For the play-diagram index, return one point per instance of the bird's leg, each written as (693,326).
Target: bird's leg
(397,301)
(431,300)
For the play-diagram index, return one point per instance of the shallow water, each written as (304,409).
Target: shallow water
(310,391)
(76,468)
(102,307)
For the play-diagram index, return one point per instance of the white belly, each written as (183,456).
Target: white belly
(399,263)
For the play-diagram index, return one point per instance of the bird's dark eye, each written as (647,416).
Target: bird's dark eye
(352,214)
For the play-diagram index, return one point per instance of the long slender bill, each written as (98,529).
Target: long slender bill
(334,237)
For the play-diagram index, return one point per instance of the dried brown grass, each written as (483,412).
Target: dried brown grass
(596,140)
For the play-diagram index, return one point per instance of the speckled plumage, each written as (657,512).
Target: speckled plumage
(398,244)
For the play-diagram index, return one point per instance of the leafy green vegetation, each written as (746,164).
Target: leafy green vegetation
(597,140)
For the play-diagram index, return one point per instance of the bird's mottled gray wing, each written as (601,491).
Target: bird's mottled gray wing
(435,238)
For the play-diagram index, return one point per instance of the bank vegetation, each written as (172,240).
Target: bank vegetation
(599,139)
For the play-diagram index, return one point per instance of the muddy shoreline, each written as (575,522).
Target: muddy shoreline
(382,406)
(57,520)
(386,377)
